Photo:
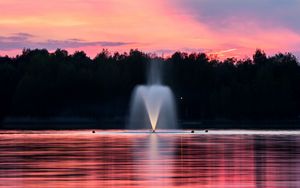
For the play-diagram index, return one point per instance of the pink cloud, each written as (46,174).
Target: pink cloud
(152,26)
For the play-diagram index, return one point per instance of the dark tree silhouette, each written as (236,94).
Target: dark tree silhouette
(42,84)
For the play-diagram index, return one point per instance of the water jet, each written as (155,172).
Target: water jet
(153,105)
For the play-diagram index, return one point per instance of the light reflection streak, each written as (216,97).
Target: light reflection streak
(155,166)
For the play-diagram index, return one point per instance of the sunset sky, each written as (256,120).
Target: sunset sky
(223,27)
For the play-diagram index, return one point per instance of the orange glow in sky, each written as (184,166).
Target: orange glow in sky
(155,26)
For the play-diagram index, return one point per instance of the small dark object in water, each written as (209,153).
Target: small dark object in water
(153,131)
(192,131)
(94,131)
(206,130)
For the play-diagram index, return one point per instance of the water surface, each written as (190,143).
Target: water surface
(266,159)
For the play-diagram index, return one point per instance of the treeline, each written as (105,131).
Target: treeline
(42,84)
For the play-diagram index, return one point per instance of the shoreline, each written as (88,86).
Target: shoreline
(119,123)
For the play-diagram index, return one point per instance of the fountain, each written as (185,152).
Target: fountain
(152,105)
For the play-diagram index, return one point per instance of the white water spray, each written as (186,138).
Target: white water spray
(152,105)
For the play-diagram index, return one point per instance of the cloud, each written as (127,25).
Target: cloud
(243,13)
(26,40)
(168,51)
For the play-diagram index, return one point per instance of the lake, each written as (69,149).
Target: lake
(136,159)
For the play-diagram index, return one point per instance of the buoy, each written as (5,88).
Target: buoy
(94,132)
(192,131)
(206,130)
(153,131)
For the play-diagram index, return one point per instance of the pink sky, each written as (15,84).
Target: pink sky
(149,25)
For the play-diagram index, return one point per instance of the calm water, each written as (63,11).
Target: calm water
(135,159)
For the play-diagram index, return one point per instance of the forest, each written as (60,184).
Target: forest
(41,84)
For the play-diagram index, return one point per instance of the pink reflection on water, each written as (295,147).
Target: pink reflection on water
(82,159)
(154,165)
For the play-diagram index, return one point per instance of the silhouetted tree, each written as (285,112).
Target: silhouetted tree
(43,84)
(260,57)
